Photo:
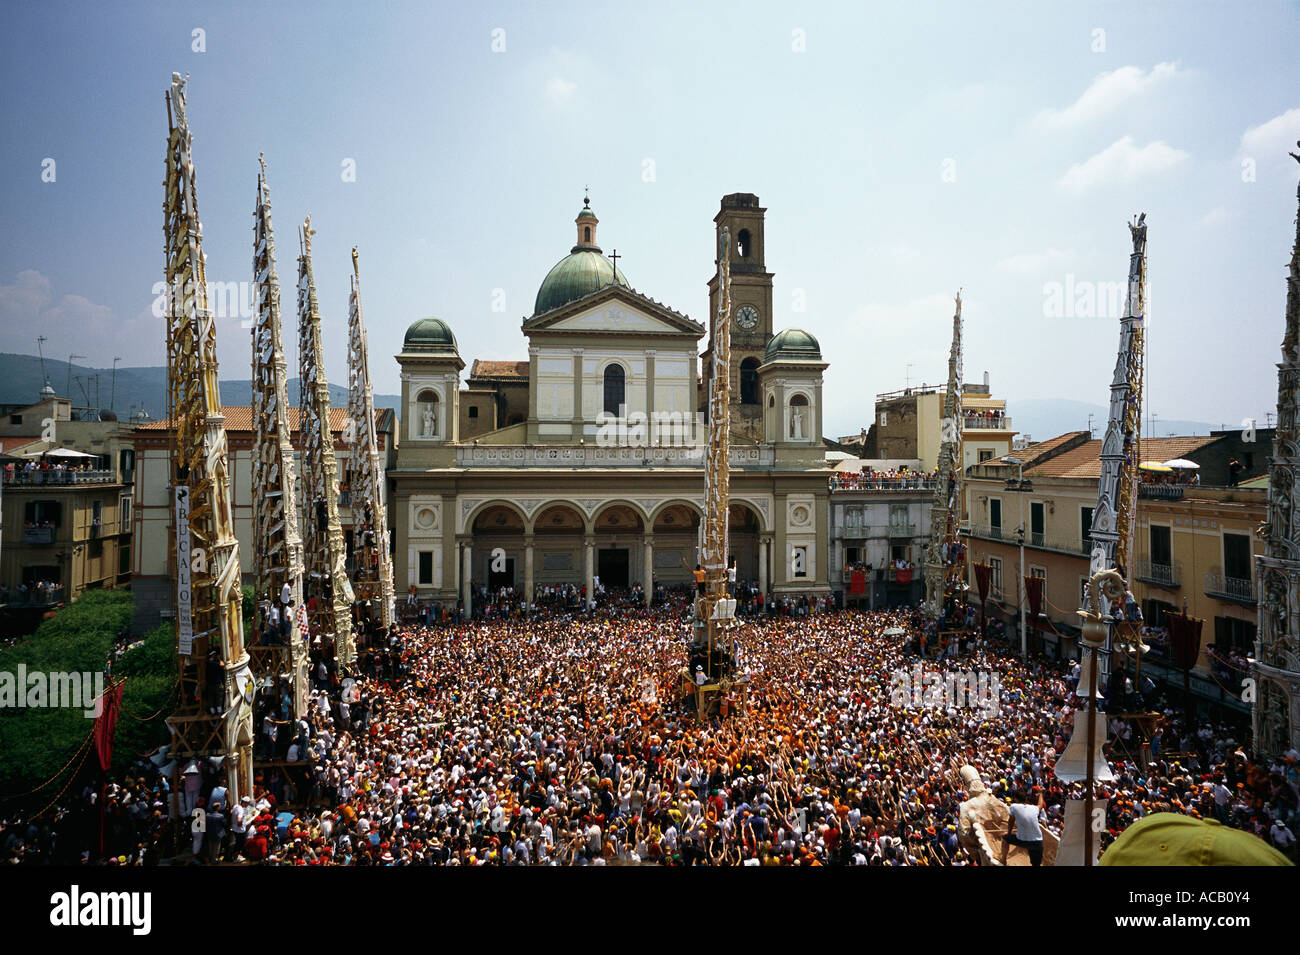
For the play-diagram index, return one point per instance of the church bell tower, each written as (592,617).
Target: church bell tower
(751,312)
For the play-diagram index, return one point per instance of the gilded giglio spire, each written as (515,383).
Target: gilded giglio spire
(1276,710)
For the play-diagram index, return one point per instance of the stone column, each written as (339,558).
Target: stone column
(528,570)
(466,570)
(648,572)
(589,547)
(649,386)
(533,410)
(577,395)
(763,544)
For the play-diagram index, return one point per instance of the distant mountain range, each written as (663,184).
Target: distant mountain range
(1043,418)
(21,381)
(136,388)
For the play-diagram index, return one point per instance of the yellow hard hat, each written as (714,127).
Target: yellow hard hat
(1169,838)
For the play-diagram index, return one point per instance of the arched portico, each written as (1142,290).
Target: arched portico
(619,531)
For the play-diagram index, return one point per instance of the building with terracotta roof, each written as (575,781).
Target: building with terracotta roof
(152,574)
(1193,546)
(495,396)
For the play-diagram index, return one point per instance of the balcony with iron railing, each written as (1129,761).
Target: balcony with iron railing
(1036,540)
(884,574)
(856,530)
(1167,575)
(39,535)
(902,530)
(993,532)
(1235,589)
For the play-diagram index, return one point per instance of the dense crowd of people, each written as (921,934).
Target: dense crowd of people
(559,739)
(869,478)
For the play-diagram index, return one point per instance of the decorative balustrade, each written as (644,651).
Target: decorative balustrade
(594,456)
(979,422)
(18,478)
(854,482)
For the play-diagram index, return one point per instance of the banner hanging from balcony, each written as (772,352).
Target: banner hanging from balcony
(1034,594)
(857,583)
(982,577)
(903,575)
(1184,639)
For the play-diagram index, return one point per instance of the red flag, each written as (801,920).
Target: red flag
(858,583)
(982,577)
(106,723)
(903,576)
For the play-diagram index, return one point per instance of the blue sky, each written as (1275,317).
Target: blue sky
(905,151)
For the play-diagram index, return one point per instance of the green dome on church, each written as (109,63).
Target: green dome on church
(793,344)
(430,335)
(579,273)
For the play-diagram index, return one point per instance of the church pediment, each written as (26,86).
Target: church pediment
(615,309)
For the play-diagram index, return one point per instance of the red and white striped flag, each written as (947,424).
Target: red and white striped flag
(303,632)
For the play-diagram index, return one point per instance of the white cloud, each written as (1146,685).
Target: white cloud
(28,308)
(559,89)
(1215,217)
(1274,139)
(1032,262)
(1106,93)
(23,301)
(1122,162)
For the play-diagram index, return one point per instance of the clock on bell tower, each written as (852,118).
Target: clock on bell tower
(751,312)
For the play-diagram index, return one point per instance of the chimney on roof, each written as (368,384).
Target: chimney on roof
(986,382)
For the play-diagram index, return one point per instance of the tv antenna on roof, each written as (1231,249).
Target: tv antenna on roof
(41,340)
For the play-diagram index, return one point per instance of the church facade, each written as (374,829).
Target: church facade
(587,460)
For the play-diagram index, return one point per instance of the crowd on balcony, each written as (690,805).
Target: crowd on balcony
(40,592)
(44,464)
(1228,664)
(893,479)
(46,471)
(984,417)
(1182,477)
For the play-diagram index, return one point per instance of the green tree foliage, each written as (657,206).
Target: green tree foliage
(38,744)
(150,669)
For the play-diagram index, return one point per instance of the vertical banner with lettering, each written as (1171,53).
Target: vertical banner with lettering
(184,596)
